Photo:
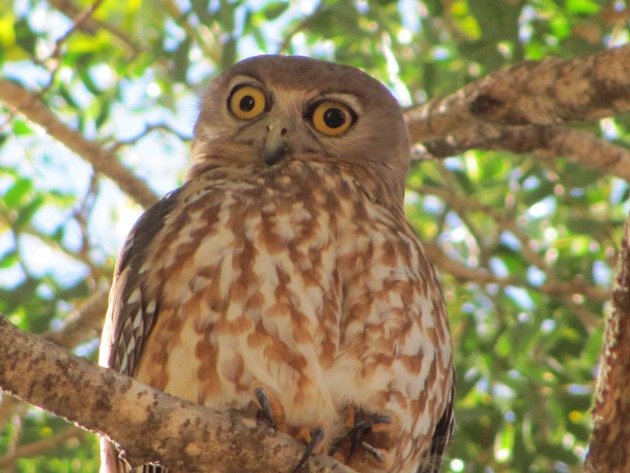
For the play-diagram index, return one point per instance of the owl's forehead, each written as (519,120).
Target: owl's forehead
(307,76)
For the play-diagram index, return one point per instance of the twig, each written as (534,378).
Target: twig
(27,103)
(484,276)
(40,446)
(147,129)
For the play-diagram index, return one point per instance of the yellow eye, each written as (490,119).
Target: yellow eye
(332,118)
(247,102)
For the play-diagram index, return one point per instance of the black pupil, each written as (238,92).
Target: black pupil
(247,103)
(334,117)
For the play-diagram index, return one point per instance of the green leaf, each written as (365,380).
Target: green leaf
(16,194)
(103,114)
(9,259)
(21,128)
(24,36)
(26,213)
(582,7)
(87,80)
(274,9)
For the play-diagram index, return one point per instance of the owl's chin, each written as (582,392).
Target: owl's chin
(273,157)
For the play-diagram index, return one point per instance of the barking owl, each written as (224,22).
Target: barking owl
(283,280)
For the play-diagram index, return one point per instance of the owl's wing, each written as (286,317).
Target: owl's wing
(131,313)
(441,436)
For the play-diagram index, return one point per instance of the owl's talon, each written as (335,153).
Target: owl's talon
(377,453)
(265,407)
(355,434)
(361,428)
(271,410)
(317,436)
(385,432)
(373,433)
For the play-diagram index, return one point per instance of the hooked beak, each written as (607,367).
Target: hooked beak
(275,147)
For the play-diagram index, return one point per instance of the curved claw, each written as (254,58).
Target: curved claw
(318,433)
(375,452)
(271,411)
(265,407)
(365,424)
(367,433)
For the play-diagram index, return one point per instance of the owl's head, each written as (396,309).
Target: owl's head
(267,110)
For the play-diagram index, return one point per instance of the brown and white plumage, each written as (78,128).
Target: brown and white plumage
(285,261)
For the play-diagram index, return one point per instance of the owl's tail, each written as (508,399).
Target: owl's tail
(112,463)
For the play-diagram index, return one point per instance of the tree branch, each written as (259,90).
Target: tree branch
(579,146)
(148,424)
(28,104)
(539,93)
(81,324)
(40,446)
(611,413)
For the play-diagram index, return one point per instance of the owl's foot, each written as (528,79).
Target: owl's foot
(271,411)
(368,440)
(315,443)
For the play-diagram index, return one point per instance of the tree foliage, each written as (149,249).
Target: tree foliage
(525,241)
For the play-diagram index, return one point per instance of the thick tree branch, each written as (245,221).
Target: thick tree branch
(148,424)
(577,145)
(28,104)
(584,148)
(537,93)
(609,450)
(81,324)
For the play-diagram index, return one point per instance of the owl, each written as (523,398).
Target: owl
(283,280)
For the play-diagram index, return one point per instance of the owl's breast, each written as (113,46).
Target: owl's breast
(248,290)
(317,292)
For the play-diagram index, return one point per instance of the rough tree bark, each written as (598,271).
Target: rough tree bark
(521,109)
(532,93)
(147,424)
(609,450)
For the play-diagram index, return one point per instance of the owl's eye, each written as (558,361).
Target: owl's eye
(332,118)
(247,102)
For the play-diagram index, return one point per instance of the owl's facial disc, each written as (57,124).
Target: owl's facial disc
(274,110)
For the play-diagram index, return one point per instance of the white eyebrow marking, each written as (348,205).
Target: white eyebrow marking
(351,100)
(243,79)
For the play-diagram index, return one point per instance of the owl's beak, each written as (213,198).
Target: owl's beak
(276,145)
